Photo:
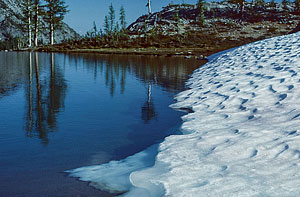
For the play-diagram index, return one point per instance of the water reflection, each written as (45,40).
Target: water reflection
(44,97)
(106,107)
(12,72)
(148,110)
(169,73)
(43,77)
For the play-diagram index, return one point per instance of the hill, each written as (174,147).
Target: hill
(223,23)
(177,30)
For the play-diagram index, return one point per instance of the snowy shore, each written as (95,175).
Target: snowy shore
(243,138)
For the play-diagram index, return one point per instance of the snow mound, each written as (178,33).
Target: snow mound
(243,138)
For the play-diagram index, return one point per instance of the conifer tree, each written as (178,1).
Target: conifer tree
(117,32)
(94,29)
(260,3)
(297,6)
(122,19)
(111,18)
(272,4)
(106,26)
(176,16)
(285,3)
(117,28)
(200,17)
(55,12)
(240,4)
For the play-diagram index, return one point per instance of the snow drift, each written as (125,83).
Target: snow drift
(243,138)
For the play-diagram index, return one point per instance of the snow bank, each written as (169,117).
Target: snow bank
(114,176)
(243,138)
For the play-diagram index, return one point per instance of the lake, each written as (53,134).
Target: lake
(64,111)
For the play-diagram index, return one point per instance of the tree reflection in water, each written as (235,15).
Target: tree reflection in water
(169,73)
(45,85)
(148,110)
(45,98)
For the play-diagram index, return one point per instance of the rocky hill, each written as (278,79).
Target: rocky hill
(10,24)
(222,19)
(179,30)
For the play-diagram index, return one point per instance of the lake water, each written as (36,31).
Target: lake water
(63,111)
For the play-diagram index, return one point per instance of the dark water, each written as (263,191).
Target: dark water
(59,112)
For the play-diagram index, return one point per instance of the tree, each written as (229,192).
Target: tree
(117,28)
(260,3)
(117,32)
(27,9)
(111,18)
(240,4)
(36,21)
(200,7)
(285,3)
(297,6)
(94,30)
(272,4)
(122,19)
(106,26)
(149,7)
(55,12)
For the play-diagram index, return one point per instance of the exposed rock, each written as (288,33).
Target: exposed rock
(296,29)
(10,24)
(221,18)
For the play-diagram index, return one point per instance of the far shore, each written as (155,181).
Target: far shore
(182,51)
(198,53)
(186,52)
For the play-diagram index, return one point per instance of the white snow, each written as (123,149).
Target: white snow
(243,138)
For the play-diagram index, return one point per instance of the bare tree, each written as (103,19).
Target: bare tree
(36,21)
(149,6)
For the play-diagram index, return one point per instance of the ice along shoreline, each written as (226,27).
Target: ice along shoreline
(244,135)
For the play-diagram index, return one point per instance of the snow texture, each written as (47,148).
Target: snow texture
(243,138)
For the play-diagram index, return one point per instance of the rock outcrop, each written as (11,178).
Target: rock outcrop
(222,19)
(297,28)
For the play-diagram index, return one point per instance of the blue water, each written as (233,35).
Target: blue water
(63,111)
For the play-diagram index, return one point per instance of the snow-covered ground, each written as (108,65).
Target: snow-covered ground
(243,138)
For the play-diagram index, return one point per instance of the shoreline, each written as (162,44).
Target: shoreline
(182,159)
(200,53)
(186,52)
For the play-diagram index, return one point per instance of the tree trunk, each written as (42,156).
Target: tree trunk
(29,26)
(36,23)
(29,34)
(51,34)
(149,7)
(242,3)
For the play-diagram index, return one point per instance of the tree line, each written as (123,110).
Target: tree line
(34,11)
(47,15)
(114,30)
(116,34)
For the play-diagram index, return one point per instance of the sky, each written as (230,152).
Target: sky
(83,13)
